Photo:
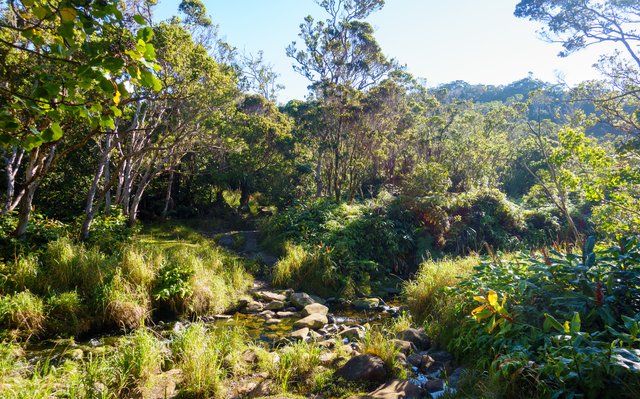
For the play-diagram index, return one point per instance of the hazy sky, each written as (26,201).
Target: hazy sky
(479,41)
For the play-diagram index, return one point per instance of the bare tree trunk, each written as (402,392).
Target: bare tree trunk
(318,176)
(12,165)
(135,202)
(167,198)
(90,210)
(107,179)
(39,164)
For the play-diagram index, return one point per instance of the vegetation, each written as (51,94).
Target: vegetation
(133,150)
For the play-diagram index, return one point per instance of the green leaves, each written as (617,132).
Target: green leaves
(72,70)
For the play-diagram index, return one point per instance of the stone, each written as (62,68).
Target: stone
(254,307)
(363,368)
(441,356)
(405,347)
(300,334)
(434,385)
(314,322)
(317,299)
(267,314)
(353,334)
(397,389)
(314,335)
(250,356)
(327,358)
(75,354)
(222,316)
(416,336)
(275,305)
(415,359)
(454,378)
(163,386)
(269,296)
(285,314)
(366,303)
(300,300)
(263,388)
(427,364)
(315,308)
(401,359)
(273,320)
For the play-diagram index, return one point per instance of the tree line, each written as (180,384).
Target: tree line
(105,110)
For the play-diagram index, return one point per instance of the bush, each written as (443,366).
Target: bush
(484,217)
(139,358)
(69,266)
(333,247)
(296,365)
(555,324)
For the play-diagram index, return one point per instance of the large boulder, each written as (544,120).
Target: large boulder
(417,336)
(301,299)
(315,308)
(313,321)
(363,368)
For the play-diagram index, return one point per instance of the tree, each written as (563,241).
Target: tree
(581,23)
(341,58)
(63,64)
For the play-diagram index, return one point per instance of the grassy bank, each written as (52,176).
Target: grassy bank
(69,288)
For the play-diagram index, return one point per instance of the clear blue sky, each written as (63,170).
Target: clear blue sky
(479,41)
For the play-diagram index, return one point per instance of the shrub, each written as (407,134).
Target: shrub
(378,343)
(21,274)
(136,267)
(296,365)
(555,324)
(484,217)
(68,266)
(431,297)
(330,247)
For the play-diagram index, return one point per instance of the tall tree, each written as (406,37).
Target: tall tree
(340,58)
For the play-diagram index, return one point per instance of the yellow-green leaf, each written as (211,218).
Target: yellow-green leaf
(493,298)
(68,14)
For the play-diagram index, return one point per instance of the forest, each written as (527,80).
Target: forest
(170,230)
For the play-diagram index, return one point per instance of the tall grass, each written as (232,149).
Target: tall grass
(296,366)
(22,314)
(379,343)
(430,296)
(201,354)
(139,358)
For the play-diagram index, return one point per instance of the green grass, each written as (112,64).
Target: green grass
(168,267)
(430,296)
(206,358)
